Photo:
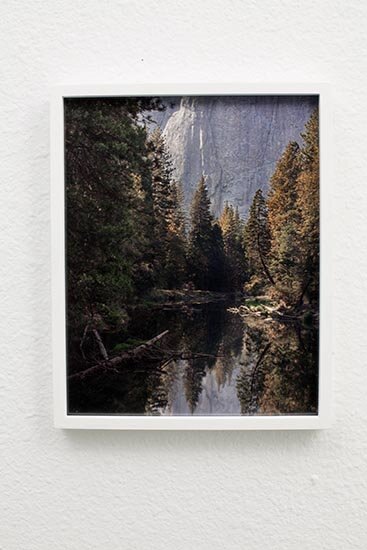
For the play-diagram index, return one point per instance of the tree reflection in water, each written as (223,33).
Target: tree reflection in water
(280,375)
(251,366)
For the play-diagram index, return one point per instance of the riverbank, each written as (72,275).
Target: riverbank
(268,309)
(176,298)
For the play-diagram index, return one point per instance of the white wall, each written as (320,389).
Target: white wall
(115,490)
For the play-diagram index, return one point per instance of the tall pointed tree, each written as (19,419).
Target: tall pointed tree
(217,280)
(284,219)
(200,237)
(308,202)
(169,226)
(162,198)
(175,261)
(200,246)
(232,230)
(257,244)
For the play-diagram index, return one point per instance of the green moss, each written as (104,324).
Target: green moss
(128,345)
(258,302)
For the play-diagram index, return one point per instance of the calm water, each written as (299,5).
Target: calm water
(227,365)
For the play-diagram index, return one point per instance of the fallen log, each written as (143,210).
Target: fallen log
(102,349)
(111,364)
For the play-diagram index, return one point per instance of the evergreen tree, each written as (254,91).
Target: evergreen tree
(108,180)
(200,243)
(205,255)
(308,202)
(162,200)
(284,219)
(293,205)
(169,226)
(257,245)
(217,261)
(232,230)
(193,379)
(175,262)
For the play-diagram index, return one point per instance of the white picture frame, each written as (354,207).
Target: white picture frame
(296,422)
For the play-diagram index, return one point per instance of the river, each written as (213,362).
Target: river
(227,365)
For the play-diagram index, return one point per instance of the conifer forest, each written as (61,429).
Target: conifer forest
(192,255)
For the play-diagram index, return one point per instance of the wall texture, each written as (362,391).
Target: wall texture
(115,490)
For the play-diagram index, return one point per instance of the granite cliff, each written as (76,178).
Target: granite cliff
(234,141)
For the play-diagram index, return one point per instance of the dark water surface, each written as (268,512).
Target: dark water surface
(247,366)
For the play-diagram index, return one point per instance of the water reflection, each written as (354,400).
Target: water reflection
(280,370)
(228,366)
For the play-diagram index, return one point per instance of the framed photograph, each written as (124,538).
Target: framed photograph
(191,256)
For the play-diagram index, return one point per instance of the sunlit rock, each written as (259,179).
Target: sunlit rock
(234,141)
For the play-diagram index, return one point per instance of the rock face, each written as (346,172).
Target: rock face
(234,142)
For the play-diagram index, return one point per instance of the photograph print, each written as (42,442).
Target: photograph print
(192,255)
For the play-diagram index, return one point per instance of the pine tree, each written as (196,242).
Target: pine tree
(308,202)
(257,245)
(217,261)
(293,205)
(232,230)
(200,237)
(282,195)
(162,200)
(175,261)
(284,219)
(201,246)
(193,380)
(169,226)
(108,179)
